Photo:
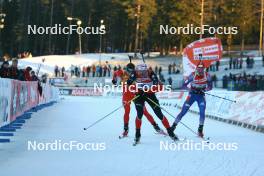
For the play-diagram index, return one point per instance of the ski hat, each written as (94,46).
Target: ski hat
(130,67)
(141,67)
(200,68)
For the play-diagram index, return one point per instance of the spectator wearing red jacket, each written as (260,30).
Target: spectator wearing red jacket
(27,75)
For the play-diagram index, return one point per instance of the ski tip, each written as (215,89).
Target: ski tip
(134,144)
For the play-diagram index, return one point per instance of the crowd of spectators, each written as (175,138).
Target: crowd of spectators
(13,72)
(237,63)
(243,82)
(172,69)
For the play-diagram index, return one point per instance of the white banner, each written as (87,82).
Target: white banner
(5,98)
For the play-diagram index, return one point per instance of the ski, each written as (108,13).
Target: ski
(135,143)
(180,139)
(162,133)
(122,136)
(207,139)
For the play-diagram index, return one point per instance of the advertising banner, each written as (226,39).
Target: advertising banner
(5,97)
(16,97)
(207,50)
(24,95)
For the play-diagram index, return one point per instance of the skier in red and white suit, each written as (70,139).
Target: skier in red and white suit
(121,76)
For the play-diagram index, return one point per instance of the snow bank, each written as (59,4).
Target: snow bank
(77,60)
(248,111)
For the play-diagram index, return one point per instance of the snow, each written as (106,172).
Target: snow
(76,60)
(66,119)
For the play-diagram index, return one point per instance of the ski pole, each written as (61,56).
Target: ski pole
(208,94)
(110,113)
(173,116)
(220,97)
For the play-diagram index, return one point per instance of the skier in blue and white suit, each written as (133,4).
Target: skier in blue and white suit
(200,82)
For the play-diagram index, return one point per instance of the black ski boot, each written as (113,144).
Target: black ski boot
(172,135)
(137,136)
(200,131)
(125,132)
(158,130)
(156,127)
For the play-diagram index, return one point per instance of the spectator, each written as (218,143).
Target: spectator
(169,69)
(234,63)
(4,71)
(84,71)
(156,70)
(93,70)
(174,68)
(109,70)
(104,70)
(162,78)
(62,71)
(14,73)
(160,70)
(230,63)
(76,71)
(35,78)
(252,61)
(240,62)
(244,82)
(217,65)
(100,71)
(97,71)
(225,81)
(88,70)
(27,75)
(248,62)
(214,80)
(72,70)
(56,71)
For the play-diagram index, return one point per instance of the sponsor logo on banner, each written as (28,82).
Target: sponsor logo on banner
(65,91)
(209,48)
(86,92)
(170,95)
(16,97)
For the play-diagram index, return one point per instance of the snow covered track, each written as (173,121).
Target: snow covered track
(65,121)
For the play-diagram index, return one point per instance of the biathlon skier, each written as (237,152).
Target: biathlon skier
(200,82)
(120,77)
(147,79)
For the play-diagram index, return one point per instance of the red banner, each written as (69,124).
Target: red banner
(208,50)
